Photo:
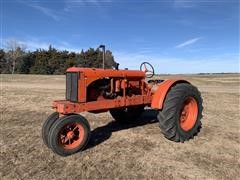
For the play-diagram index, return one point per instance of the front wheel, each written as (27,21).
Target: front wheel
(69,135)
(47,125)
(180,118)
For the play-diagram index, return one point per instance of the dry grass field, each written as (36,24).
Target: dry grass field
(131,151)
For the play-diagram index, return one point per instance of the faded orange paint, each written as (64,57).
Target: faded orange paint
(189,114)
(122,79)
(160,94)
(98,73)
(67,107)
(89,75)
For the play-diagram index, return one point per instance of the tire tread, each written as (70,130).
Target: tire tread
(168,116)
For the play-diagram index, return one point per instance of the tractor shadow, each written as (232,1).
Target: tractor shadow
(103,133)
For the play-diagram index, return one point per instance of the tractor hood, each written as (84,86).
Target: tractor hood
(96,72)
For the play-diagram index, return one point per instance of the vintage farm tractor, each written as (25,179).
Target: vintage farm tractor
(124,93)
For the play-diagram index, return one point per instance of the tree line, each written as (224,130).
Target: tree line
(15,59)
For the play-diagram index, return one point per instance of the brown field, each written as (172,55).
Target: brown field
(131,151)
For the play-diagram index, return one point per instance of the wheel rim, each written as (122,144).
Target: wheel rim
(189,114)
(71,135)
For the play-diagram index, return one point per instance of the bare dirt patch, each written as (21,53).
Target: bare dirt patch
(130,151)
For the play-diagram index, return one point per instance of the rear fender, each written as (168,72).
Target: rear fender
(160,94)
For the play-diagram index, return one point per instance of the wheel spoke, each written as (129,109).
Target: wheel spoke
(62,136)
(65,140)
(145,68)
(75,128)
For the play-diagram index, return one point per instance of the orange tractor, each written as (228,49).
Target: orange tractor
(125,94)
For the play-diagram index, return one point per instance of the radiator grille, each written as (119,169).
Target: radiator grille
(72,86)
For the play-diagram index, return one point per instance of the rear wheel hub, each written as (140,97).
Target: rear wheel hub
(189,114)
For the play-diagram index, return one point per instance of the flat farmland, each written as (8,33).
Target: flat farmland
(129,151)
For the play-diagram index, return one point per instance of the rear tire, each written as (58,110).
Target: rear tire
(69,135)
(127,114)
(47,125)
(181,114)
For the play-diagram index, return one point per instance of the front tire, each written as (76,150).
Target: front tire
(69,135)
(47,125)
(180,118)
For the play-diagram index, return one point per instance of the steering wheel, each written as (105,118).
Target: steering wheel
(148,69)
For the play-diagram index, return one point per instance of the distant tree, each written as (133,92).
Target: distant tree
(50,61)
(2,53)
(93,58)
(71,60)
(109,60)
(3,62)
(41,63)
(88,58)
(24,65)
(15,52)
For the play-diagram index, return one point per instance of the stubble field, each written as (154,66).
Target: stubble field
(130,151)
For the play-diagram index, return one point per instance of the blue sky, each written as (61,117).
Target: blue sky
(176,36)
